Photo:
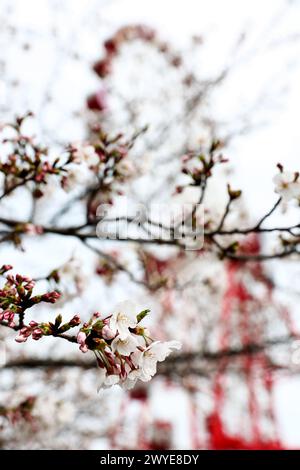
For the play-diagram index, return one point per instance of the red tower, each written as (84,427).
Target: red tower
(246,319)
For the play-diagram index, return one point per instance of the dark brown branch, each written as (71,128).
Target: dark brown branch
(187,359)
(210,235)
(261,221)
(15,186)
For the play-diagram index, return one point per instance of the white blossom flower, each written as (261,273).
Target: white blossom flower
(105,380)
(139,361)
(147,360)
(123,318)
(124,346)
(287,185)
(78,175)
(126,168)
(131,379)
(86,153)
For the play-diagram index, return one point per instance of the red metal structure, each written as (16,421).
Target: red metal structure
(250,325)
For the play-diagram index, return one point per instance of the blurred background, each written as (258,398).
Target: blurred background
(227,70)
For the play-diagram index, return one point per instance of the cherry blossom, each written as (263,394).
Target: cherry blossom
(78,175)
(85,153)
(124,346)
(132,362)
(126,168)
(287,185)
(123,318)
(123,349)
(105,380)
(131,380)
(147,360)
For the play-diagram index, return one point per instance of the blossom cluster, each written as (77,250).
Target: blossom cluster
(124,350)
(102,162)
(24,161)
(104,159)
(198,166)
(37,330)
(287,184)
(16,296)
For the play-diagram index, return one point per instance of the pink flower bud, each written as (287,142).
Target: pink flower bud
(81,337)
(75,320)
(30,285)
(8,315)
(51,297)
(107,333)
(37,334)
(24,333)
(83,348)
(5,268)
(20,339)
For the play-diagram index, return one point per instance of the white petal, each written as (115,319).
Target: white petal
(101,379)
(162,350)
(149,366)
(124,346)
(111,380)
(123,330)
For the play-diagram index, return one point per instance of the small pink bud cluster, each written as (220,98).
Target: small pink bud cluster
(106,157)
(36,330)
(75,321)
(5,268)
(50,297)
(199,165)
(27,161)
(8,316)
(32,229)
(32,330)
(16,296)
